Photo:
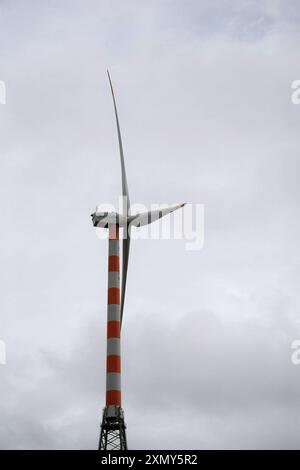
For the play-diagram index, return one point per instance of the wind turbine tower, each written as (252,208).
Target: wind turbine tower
(113,428)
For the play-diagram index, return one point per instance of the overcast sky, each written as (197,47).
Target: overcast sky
(204,98)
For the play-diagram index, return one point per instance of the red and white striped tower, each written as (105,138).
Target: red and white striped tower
(113,435)
(113,364)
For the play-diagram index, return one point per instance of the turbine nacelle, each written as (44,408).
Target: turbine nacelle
(104,219)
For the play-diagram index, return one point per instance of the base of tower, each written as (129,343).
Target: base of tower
(113,429)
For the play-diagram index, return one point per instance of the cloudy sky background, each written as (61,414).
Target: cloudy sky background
(204,97)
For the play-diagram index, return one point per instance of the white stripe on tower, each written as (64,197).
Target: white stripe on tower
(113,356)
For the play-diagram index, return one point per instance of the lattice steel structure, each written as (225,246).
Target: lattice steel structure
(113,430)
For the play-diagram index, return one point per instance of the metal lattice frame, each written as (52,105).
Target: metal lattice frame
(113,430)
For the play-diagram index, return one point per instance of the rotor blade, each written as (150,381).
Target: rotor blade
(125,194)
(145,218)
(125,256)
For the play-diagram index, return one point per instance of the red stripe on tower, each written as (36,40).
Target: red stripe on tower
(113,264)
(113,329)
(113,295)
(113,397)
(113,364)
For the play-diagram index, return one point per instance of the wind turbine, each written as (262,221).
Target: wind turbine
(113,428)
